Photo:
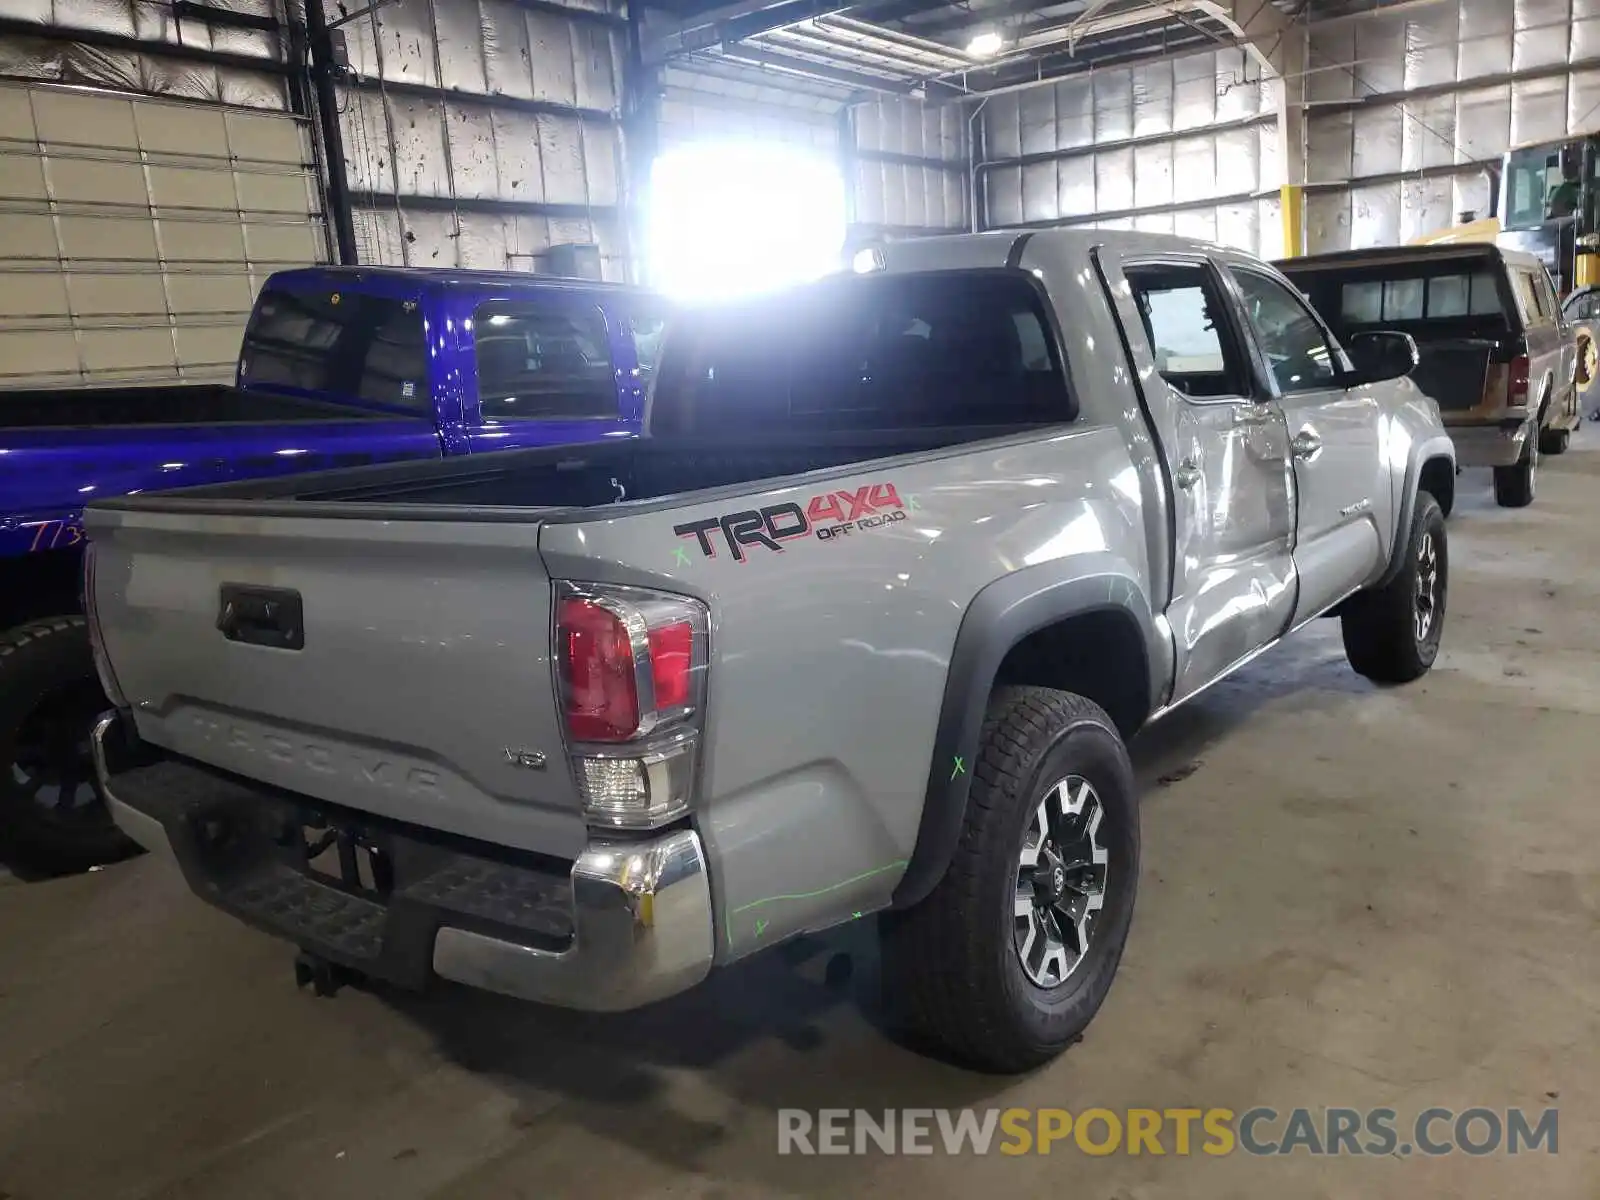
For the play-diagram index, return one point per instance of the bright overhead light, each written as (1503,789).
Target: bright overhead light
(730,219)
(985,44)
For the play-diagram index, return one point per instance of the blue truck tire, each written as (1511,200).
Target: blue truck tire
(53,819)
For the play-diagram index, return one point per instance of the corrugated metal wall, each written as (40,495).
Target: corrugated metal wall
(1481,76)
(907,168)
(478,133)
(1184,145)
(137,46)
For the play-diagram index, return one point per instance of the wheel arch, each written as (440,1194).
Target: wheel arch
(46,584)
(1432,469)
(1090,632)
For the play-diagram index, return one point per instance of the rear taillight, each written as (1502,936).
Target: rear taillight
(1517,389)
(97,649)
(630,673)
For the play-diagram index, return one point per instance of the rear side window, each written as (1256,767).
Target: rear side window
(1547,296)
(1181,310)
(926,350)
(340,345)
(542,361)
(1528,295)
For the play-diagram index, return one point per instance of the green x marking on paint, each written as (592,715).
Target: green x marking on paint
(680,556)
(912,505)
(761,927)
(960,767)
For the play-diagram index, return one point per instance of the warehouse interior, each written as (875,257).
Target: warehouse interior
(161,159)
(1353,896)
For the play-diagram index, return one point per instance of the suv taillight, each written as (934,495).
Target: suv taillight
(1518,387)
(97,649)
(630,674)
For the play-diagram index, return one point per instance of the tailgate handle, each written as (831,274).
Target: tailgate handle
(262,616)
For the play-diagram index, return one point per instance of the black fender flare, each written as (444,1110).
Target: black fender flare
(1422,453)
(1000,616)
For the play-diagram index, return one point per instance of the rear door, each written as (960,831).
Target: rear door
(549,369)
(1226,448)
(389,665)
(1344,505)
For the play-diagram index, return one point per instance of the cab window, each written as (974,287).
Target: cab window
(1181,309)
(338,345)
(1301,357)
(542,361)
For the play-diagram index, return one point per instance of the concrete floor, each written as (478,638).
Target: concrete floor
(1351,897)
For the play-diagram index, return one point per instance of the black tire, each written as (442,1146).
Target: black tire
(1554,441)
(952,967)
(49,697)
(1380,628)
(1514,486)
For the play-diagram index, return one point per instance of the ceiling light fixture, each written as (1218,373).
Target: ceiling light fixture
(985,45)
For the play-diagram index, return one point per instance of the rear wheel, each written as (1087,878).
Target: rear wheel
(52,815)
(1392,635)
(1554,441)
(1514,485)
(1009,958)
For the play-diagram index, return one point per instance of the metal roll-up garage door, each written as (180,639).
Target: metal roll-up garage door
(134,232)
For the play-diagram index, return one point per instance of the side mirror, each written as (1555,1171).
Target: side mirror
(1379,357)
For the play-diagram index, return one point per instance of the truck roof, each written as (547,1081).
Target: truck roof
(446,277)
(997,247)
(1380,255)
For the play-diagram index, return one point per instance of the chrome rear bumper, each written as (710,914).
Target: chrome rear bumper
(1489,445)
(641,925)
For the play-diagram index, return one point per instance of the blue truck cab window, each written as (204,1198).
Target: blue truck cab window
(543,361)
(371,348)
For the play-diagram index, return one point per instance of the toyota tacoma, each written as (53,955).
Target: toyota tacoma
(860,626)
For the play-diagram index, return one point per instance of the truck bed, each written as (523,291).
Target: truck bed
(512,483)
(165,404)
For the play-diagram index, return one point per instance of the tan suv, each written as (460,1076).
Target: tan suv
(1496,352)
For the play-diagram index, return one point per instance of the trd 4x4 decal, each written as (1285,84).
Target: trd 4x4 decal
(828,516)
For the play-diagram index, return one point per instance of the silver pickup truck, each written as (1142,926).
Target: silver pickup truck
(860,627)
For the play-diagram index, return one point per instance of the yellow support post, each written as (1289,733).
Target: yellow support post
(1292,204)
(1587,268)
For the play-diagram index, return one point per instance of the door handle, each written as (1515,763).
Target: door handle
(1306,444)
(261,616)
(1186,476)
(1255,414)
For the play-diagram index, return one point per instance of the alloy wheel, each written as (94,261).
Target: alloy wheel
(1427,598)
(1060,882)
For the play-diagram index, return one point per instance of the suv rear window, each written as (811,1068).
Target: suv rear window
(926,350)
(339,345)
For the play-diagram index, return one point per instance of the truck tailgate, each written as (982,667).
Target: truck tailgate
(1453,371)
(385,665)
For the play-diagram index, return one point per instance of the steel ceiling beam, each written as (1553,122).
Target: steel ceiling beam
(760,56)
(1026,72)
(952,19)
(665,38)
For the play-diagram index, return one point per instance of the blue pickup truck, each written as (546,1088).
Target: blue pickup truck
(339,366)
